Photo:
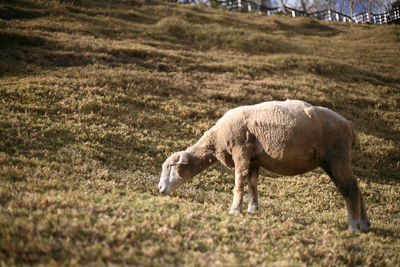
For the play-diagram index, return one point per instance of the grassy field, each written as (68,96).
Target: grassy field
(94,95)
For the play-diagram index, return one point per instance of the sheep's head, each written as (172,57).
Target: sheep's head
(175,171)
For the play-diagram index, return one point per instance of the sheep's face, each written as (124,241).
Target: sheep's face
(175,171)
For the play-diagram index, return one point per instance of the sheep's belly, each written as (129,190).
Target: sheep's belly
(293,162)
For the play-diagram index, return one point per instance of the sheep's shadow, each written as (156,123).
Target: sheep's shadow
(384,232)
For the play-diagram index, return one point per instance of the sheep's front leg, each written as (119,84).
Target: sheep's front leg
(253,196)
(238,190)
(242,165)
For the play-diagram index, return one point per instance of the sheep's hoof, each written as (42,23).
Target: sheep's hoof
(352,229)
(252,209)
(353,225)
(364,225)
(235,211)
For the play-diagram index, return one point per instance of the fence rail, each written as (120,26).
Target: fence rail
(329,14)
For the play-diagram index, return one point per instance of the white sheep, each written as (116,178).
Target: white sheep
(287,138)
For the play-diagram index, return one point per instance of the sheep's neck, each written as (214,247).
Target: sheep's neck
(202,161)
(203,153)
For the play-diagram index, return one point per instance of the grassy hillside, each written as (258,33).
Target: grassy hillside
(94,95)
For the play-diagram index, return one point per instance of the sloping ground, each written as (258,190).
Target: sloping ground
(96,94)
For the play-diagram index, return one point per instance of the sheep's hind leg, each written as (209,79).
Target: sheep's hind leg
(253,194)
(242,165)
(364,222)
(346,182)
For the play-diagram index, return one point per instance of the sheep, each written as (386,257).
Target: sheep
(285,137)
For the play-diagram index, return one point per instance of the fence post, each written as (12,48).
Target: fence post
(337,17)
(249,7)
(293,14)
(385,18)
(329,15)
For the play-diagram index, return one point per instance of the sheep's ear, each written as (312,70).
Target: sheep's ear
(183,158)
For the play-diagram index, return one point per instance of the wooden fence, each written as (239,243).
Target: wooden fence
(364,17)
(329,14)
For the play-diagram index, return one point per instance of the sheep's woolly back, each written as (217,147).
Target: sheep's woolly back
(269,121)
(273,112)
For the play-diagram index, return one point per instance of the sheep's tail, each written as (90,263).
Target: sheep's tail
(355,138)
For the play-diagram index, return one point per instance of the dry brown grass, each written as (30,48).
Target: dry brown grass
(96,94)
